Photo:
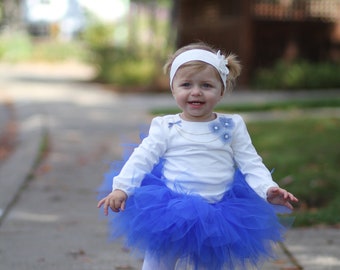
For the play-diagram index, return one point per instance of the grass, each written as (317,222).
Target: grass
(305,154)
(282,105)
(299,74)
(253,107)
(19,47)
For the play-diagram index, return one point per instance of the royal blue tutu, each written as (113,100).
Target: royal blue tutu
(237,232)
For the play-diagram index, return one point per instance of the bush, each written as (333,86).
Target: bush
(15,47)
(98,35)
(122,67)
(19,47)
(54,51)
(298,75)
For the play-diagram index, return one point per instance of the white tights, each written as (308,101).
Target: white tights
(153,263)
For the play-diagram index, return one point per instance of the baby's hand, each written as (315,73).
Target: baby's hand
(276,195)
(115,200)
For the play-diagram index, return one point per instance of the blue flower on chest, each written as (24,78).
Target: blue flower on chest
(227,123)
(222,127)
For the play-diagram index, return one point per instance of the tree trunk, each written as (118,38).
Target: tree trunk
(12,15)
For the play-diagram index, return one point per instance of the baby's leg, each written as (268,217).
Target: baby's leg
(152,263)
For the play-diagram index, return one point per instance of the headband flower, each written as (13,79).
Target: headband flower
(222,65)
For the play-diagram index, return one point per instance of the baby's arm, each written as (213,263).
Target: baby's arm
(115,200)
(277,195)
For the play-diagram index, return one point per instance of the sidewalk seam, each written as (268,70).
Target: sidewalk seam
(290,256)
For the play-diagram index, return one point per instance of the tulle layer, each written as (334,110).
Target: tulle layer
(238,231)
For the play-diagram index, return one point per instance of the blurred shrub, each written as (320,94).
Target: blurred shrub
(118,65)
(15,47)
(55,51)
(98,34)
(298,75)
(19,47)
(123,67)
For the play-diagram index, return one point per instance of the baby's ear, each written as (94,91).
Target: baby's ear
(222,92)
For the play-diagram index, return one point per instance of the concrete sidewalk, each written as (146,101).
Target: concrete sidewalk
(48,218)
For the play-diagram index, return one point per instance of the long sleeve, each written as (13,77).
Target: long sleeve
(249,162)
(143,158)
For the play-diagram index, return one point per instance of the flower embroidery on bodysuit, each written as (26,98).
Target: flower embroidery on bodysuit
(223,128)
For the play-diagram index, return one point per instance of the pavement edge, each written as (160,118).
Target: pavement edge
(17,169)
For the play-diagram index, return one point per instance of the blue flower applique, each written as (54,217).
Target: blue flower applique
(171,124)
(223,128)
(227,123)
(226,137)
(215,127)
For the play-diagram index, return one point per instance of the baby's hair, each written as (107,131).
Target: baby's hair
(233,65)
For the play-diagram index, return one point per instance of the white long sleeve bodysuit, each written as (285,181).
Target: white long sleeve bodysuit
(199,157)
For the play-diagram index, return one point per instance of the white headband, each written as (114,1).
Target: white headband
(217,60)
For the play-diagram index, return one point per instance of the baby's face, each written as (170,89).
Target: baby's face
(197,92)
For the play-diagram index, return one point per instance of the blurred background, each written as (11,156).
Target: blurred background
(285,46)
(282,44)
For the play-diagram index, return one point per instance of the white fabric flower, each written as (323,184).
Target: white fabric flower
(222,66)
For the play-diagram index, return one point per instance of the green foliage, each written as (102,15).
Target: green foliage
(18,47)
(98,34)
(128,55)
(118,65)
(306,156)
(328,215)
(122,67)
(298,75)
(15,47)
(253,107)
(54,51)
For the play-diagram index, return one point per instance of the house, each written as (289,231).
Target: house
(262,31)
(63,18)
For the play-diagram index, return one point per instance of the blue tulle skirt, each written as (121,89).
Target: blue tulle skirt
(237,232)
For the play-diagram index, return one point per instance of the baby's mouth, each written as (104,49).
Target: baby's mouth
(196,102)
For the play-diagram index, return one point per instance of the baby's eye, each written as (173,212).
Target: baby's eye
(206,85)
(186,84)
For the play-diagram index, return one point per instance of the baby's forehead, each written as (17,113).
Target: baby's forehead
(196,63)
(193,67)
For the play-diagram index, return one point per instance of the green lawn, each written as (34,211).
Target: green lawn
(306,158)
(253,107)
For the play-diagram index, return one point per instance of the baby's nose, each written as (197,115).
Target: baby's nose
(196,91)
